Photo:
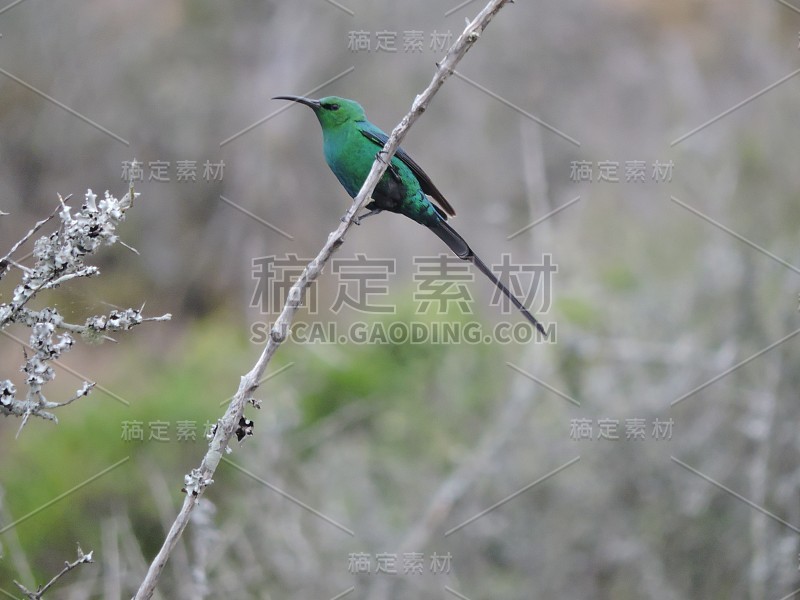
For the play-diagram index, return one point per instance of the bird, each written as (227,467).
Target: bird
(351,143)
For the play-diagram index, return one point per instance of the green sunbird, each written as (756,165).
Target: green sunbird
(350,143)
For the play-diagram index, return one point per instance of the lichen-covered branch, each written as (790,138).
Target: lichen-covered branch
(59,258)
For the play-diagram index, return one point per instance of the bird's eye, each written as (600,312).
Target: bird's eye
(332,107)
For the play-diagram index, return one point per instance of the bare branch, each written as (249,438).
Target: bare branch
(68,566)
(231,422)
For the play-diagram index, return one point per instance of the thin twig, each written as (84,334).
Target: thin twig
(201,477)
(31,315)
(68,566)
(4,261)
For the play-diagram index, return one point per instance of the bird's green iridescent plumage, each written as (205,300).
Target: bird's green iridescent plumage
(351,144)
(350,154)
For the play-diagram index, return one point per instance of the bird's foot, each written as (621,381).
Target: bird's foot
(374,211)
(395,175)
(357,219)
(354,220)
(390,168)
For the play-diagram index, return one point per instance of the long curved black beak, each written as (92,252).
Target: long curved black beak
(314,104)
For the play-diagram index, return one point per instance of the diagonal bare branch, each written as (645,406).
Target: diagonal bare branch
(229,424)
(68,566)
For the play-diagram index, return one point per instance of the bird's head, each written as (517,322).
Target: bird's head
(331,111)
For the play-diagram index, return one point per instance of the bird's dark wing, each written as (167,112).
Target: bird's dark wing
(379,138)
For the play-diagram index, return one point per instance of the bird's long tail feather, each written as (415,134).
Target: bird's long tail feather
(461,249)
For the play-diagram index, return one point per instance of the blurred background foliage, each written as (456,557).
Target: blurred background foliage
(399,443)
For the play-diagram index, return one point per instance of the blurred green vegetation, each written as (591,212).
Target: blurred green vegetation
(405,392)
(185,384)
